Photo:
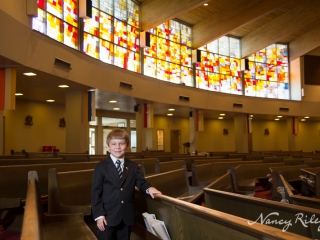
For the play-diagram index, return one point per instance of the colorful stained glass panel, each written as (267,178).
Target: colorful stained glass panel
(106,52)
(133,13)
(55,7)
(70,36)
(39,23)
(91,45)
(71,12)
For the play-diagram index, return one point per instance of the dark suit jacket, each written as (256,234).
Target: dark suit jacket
(113,197)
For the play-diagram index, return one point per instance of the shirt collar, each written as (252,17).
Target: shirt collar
(114,159)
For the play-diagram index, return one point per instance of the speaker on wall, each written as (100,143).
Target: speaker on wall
(32,8)
(85,9)
(136,107)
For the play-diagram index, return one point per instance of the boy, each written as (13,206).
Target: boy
(113,186)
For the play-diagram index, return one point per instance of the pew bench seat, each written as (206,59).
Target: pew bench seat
(37,225)
(176,184)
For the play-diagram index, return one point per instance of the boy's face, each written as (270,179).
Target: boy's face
(117,147)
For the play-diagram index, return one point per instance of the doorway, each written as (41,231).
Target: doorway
(175,141)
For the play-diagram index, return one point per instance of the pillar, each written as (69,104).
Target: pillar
(241,133)
(1,133)
(100,141)
(77,125)
(292,131)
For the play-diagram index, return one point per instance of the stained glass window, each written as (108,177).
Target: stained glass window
(268,73)
(114,24)
(219,68)
(169,56)
(59,20)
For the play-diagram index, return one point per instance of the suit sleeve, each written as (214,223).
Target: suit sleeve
(141,182)
(96,193)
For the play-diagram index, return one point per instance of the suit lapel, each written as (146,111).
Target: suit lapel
(126,170)
(111,170)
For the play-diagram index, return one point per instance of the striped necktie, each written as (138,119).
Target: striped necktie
(118,166)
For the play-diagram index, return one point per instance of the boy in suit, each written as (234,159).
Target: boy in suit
(113,186)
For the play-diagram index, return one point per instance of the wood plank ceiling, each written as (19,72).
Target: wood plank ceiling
(258,23)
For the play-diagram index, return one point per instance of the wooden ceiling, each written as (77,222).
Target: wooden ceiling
(259,23)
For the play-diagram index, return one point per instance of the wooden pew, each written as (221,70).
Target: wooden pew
(247,188)
(13,186)
(28,161)
(149,165)
(297,199)
(70,158)
(295,161)
(37,225)
(69,192)
(41,155)
(275,214)
(311,182)
(185,220)
(175,184)
(23,156)
(161,167)
(291,173)
(205,174)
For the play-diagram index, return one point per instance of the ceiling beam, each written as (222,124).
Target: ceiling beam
(280,27)
(232,17)
(155,12)
(304,44)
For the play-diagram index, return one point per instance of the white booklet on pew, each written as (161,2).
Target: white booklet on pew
(155,226)
(148,218)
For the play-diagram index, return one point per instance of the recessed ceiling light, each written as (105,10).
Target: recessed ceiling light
(51,100)
(171,109)
(30,74)
(113,101)
(222,114)
(116,108)
(19,94)
(277,119)
(170,114)
(220,117)
(306,117)
(279,116)
(205,4)
(251,116)
(303,120)
(63,86)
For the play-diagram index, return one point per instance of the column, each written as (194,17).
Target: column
(1,133)
(196,125)
(144,127)
(241,133)
(100,141)
(292,131)
(77,125)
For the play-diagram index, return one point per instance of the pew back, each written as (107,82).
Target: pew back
(186,221)
(161,167)
(263,211)
(13,185)
(175,184)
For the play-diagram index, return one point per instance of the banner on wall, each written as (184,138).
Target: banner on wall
(8,78)
(295,125)
(91,106)
(148,115)
(198,120)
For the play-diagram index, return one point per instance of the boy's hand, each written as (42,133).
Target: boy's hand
(154,192)
(100,223)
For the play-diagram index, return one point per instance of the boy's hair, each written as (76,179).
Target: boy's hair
(118,134)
